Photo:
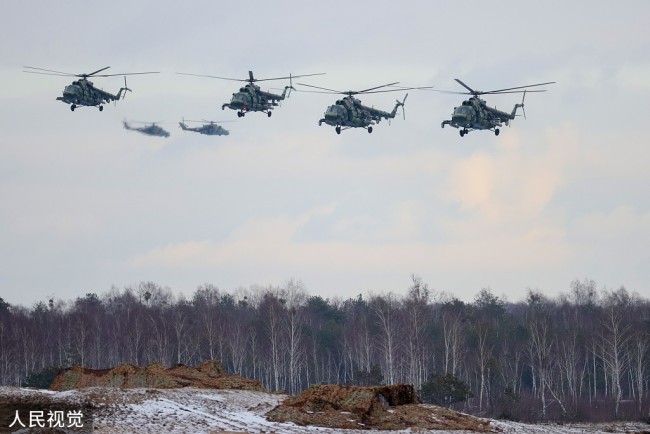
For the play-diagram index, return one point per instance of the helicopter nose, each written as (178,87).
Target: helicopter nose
(331,112)
(460,115)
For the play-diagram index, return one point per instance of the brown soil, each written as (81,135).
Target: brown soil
(208,375)
(25,404)
(376,407)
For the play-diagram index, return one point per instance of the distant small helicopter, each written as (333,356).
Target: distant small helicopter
(251,98)
(209,128)
(475,114)
(83,92)
(150,129)
(349,112)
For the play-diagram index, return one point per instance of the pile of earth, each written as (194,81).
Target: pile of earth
(208,375)
(376,407)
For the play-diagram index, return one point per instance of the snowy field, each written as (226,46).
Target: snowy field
(191,410)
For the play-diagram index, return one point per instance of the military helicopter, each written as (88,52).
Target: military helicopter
(209,128)
(475,114)
(83,92)
(150,129)
(349,112)
(251,98)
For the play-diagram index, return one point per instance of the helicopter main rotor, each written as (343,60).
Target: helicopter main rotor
(357,92)
(251,79)
(516,89)
(83,75)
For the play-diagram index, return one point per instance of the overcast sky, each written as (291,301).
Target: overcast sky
(563,195)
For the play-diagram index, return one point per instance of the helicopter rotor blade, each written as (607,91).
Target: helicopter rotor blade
(513,91)
(211,76)
(518,87)
(467,87)
(50,73)
(93,73)
(289,77)
(377,87)
(321,88)
(251,78)
(127,73)
(47,70)
(450,92)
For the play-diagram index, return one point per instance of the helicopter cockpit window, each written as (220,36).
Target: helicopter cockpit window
(334,110)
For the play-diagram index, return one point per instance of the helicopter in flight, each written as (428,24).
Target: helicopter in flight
(82,92)
(475,114)
(349,112)
(251,98)
(209,128)
(150,129)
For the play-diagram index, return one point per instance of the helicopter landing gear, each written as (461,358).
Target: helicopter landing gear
(101,108)
(496,131)
(369,130)
(463,132)
(72,107)
(338,129)
(269,114)
(240,114)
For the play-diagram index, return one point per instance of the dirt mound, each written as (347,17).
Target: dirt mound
(375,407)
(208,375)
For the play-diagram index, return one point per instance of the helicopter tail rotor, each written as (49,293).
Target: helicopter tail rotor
(401,104)
(122,94)
(290,87)
(514,110)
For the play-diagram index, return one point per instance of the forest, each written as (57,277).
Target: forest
(580,356)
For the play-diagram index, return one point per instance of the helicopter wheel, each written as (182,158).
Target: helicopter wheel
(496,131)
(101,108)
(72,107)
(240,114)
(338,130)
(269,114)
(369,130)
(462,133)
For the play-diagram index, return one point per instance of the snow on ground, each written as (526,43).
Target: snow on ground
(190,410)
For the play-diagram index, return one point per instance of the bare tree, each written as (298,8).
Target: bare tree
(385,310)
(615,338)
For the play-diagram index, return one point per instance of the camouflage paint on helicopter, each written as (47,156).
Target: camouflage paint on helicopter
(83,92)
(150,129)
(349,112)
(475,114)
(209,128)
(251,98)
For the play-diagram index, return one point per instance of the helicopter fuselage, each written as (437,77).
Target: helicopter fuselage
(210,129)
(251,99)
(83,93)
(475,114)
(349,112)
(149,130)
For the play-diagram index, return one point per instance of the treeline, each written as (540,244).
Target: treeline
(580,356)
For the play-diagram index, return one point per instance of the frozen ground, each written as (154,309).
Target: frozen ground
(191,410)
